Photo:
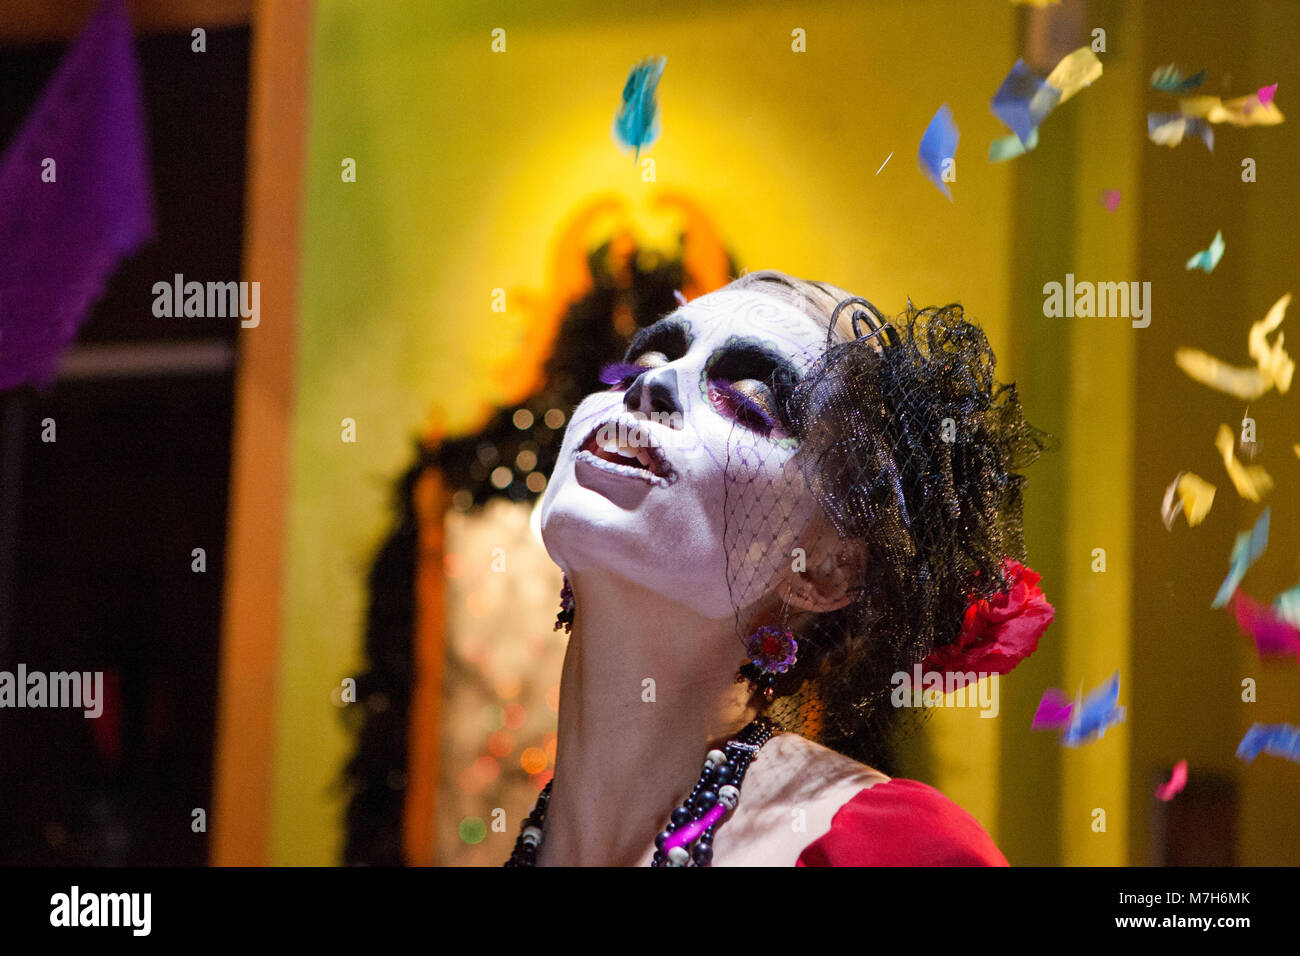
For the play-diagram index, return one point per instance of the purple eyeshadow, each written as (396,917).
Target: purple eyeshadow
(616,373)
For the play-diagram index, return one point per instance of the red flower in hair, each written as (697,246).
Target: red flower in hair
(998,633)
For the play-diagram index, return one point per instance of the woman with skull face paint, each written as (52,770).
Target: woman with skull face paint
(781,502)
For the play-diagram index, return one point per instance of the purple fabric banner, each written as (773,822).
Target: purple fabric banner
(64,227)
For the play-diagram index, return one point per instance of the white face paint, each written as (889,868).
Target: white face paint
(717,468)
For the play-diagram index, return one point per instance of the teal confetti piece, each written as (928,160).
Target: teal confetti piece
(1207,259)
(637,124)
(1009,147)
(1245,552)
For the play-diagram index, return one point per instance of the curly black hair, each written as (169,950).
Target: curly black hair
(913,451)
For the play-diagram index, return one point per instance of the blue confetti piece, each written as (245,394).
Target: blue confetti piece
(1207,259)
(1094,713)
(1280,740)
(637,123)
(1024,100)
(938,145)
(1245,552)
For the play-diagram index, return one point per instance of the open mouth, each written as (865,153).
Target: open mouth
(625,448)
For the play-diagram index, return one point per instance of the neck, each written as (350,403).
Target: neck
(648,688)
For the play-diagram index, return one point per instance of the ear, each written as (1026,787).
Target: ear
(835,567)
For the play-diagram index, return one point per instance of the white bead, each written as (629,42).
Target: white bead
(728,795)
(678,856)
(716,758)
(532,836)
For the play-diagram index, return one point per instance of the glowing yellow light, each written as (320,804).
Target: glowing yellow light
(536,482)
(526,460)
(501,477)
(523,419)
(553,697)
(554,418)
(507,687)
(533,760)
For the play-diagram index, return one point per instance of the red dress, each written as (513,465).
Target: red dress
(902,823)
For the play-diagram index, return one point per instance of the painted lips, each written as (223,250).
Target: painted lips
(625,447)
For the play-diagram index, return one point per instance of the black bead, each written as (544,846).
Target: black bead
(702,854)
(723,775)
(707,799)
(681,816)
(661,838)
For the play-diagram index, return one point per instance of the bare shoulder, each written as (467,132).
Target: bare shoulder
(791,794)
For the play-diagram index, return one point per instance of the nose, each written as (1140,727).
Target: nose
(655,393)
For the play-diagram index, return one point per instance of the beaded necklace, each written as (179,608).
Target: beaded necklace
(688,837)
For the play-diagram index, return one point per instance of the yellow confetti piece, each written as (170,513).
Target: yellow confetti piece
(1035,3)
(1274,367)
(1074,72)
(1251,481)
(1243,111)
(1196,496)
(1274,364)
(1245,383)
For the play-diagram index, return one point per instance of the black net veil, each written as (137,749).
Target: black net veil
(906,476)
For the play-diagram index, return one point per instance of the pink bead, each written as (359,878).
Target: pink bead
(684,835)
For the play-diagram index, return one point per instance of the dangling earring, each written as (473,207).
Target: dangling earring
(565,618)
(772,650)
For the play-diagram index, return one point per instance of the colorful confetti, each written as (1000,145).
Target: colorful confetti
(1245,552)
(1168,79)
(1009,147)
(1280,740)
(1265,94)
(1274,636)
(1252,482)
(1288,605)
(1243,111)
(1053,711)
(1024,100)
(1274,367)
(938,147)
(1187,494)
(885,163)
(1075,72)
(1177,781)
(1207,259)
(1110,199)
(1168,129)
(1094,714)
(637,123)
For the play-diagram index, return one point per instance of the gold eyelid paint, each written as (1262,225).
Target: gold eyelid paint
(651,359)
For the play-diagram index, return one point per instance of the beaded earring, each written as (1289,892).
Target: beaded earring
(564,619)
(772,650)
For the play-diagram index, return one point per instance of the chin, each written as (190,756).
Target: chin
(659,545)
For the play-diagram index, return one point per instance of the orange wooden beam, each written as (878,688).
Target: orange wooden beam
(277,153)
(424,739)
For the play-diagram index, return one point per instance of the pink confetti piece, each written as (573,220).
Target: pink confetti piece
(1265,94)
(1274,635)
(1053,710)
(1177,780)
(1110,199)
